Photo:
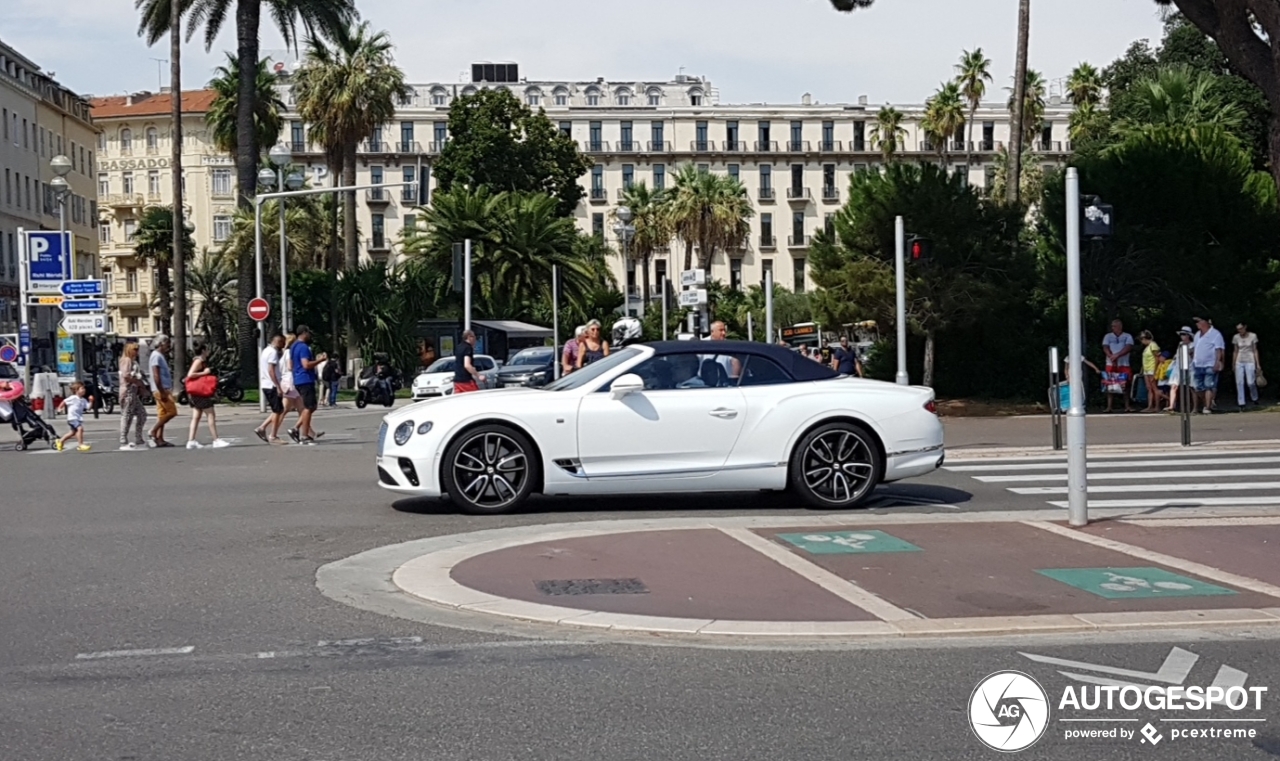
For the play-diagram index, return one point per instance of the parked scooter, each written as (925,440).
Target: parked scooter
(229,388)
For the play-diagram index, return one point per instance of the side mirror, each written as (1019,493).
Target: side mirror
(626,384)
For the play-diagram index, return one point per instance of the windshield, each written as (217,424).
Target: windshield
(531,357)
(593,371)
(441,366)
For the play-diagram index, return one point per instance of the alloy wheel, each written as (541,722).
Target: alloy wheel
(839,466)
(491,470)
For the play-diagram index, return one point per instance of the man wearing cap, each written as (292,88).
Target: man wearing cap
(161,376)
(1207,351)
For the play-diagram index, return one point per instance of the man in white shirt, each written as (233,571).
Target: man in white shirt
(1117,345)
(1248,363)
(1207,350)
(269,387)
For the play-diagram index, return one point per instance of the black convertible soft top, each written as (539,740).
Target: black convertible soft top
(798,367)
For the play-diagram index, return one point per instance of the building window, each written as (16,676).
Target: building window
(102,140)
(375,175)
(410,223)
(297,136)
(797,135)
(26,137)
(104,235)
(700,139)
(797,226)
(42,153)
(828,136)
(625,129)
(656,130)
(731,136)
(962,171)
(406,136)
(597,180)
(829,224)
(375,140)
(628,176)
(828,180)
(735,274)
(1046,137)
(660,272)
(566,129)
(83,169)
(126,141)
(409,193)
(5,113)
(597,225)
(623,96)
(379,231)
(799,274)
(733,171)
(221,228)
(659,176)
(766,271)
(153,183)
(533,98)
(766,177)
(221,182)
(704,168)
(440,130)
(153,140)
(439,97)
(859,136)
(762,134)
(560,96)
(655,97)
(131,281)
(8,187)
(797,180)
(766,229)
(988,136)
(133,322)
(593,97)
(127,180)
(695,97)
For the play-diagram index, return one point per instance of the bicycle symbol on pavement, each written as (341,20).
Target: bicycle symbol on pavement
(1133,583)
(853,541)
(1119,583)
(834,542)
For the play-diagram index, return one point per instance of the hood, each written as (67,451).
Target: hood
(480,400)
(432,379)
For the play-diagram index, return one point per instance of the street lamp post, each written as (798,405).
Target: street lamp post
(625,232)
(61,166)
(280,158)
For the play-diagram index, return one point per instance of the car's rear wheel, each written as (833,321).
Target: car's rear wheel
(836,465)
(490,469)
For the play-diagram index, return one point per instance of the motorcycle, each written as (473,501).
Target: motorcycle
(98,387)
(229,388)
(377,387)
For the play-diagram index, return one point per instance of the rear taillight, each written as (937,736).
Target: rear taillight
(931,407)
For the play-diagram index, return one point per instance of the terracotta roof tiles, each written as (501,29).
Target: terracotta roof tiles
(151,104)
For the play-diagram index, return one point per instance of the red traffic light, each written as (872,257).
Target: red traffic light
(920,249)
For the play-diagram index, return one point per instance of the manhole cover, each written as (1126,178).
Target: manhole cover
(592,587)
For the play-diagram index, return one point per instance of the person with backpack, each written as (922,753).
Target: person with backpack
(331,375)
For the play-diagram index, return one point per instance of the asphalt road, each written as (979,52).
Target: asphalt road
(217,551)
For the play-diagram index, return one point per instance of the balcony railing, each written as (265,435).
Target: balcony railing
(626,188)
(375,146)
(830,194)
(596,146)
(123,200)
(659,146)
(798,194)
(798,146)
(377,243)
(859,145)
(153,150)
(154,198)
(599,195)
(127,299)
(735,146)
(377,196)
(409,147)
(766,194)
(1050,146)
(830,146)
(768,241)
(766,146)
(628,146)
(409,195)
(437,146)
(798,241)
(298,146)
(702,146)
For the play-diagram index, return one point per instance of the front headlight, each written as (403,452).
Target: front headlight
(403,432)
(425,428)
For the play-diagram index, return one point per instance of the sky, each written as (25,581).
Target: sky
(753,51)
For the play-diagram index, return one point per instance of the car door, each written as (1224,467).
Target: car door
(488,371)
(677,427)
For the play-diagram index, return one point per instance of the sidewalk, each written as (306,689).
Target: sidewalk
(1021,432)
(851,575)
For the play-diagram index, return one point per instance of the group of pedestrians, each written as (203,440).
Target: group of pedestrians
(133,382)
(287,380)
(588,345)
(1162,375)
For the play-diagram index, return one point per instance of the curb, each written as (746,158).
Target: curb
(1049,453)
(413,580)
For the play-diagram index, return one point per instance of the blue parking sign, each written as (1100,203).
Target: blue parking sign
(49,256)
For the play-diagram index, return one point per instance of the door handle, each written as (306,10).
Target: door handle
(722,412)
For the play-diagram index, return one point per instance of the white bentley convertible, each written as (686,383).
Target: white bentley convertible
(669,417)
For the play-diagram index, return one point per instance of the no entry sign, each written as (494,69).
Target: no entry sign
(259,310)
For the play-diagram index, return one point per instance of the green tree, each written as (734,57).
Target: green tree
(211,286)
(973,252)
(498,142)
(1178,96)
(944,116)
(153,243)
(1085,85)
(1032,107)
(709,211)
(221,117)
(322,17)
(888,133)
(973,72)
(652,227)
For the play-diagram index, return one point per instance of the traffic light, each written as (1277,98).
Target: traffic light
(920,250)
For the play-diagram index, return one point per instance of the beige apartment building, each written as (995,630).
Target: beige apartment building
(133,172)
(794,159)
(40,119)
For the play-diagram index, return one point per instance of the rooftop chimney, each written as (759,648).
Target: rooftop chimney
(862,100)
(806,99)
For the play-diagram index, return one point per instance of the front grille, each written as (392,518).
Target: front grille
(382,438)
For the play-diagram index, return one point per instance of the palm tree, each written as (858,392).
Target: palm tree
(346,92)
(1085,85)
(1033,104)
(324,17)
(211,284)
(972,74)
(268,106)
(153,243)
(653,230)
(1181,98)
(888,133)
(708,210)
(1018,118)
(944,116)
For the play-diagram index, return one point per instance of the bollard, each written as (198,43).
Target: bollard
(1055,398)
(1188,393)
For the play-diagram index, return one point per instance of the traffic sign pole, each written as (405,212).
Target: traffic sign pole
(24,340)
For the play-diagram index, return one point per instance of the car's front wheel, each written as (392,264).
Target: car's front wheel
(836,465)
(490,469)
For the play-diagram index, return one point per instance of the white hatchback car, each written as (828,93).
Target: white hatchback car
(437,380)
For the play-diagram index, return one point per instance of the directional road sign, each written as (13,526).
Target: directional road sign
(45,301)
(24,338)
(693,277)
(693,298)
(259,310)
(82,288)
(84,305)
(48,257)
(84,324)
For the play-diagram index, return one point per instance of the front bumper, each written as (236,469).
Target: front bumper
(404,475)
(430,392)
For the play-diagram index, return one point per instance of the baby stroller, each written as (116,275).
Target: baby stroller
(15,410)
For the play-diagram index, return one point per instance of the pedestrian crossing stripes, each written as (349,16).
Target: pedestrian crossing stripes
(1176,479)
